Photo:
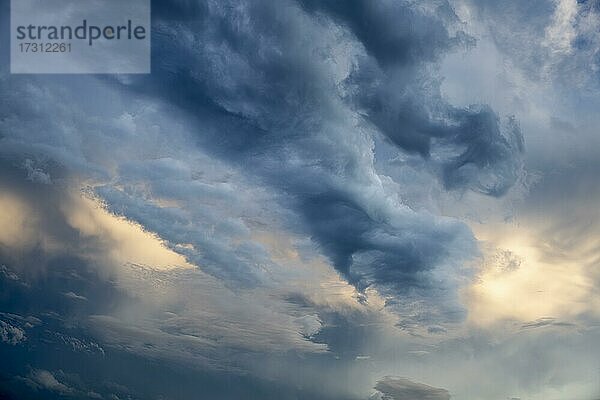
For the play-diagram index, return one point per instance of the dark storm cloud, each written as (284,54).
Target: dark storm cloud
(468,148)
(408,109)
(394,32)
(291,91)
(406,106)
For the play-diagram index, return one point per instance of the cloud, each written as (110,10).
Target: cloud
(43,379)
(275,203)
(176,301)
(553,41)
(544,322)
(400,95)
(377,82)
(234,202)
(17,222)
(546,258)
(391,388)
(13,327)
(11,334)
(267,127)
(79,345)
(125,241)
(178,316)
(396,33)
(75,296)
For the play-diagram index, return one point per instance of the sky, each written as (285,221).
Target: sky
(310,199)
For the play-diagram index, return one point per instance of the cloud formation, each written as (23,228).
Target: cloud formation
(256,112)
(391,388)
(363,77)
(289,207)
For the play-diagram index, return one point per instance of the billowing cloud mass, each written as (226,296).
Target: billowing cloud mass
(304,199)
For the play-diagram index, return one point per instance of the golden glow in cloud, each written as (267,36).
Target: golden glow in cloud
(16,221)
(522,280)
(126,241)
(116,240)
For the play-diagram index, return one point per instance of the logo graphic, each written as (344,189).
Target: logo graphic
(80,36)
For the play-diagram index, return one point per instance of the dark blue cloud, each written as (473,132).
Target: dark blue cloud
(396,33)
